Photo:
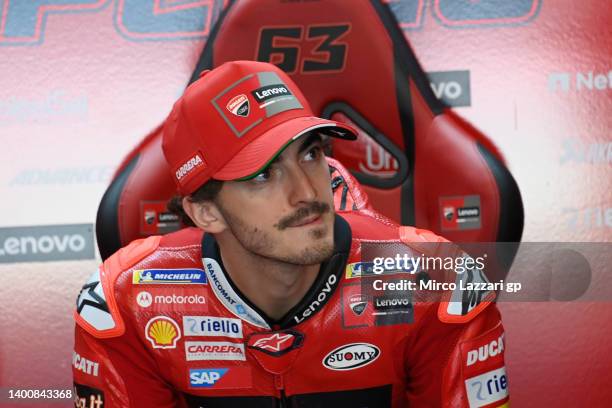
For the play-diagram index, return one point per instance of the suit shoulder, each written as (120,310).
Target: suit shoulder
(97,311)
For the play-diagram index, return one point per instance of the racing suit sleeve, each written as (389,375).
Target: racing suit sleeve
(458,364)
(116,373)
(111,366)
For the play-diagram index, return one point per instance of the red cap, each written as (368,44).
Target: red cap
(233,120)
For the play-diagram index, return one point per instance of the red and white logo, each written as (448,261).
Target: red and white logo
(214,350)
(276,344)
(190,165)
(239,105)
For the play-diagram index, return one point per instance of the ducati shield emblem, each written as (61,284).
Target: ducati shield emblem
(449,212)
(358,304)
(239,105)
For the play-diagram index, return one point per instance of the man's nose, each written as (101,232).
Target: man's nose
(302,188)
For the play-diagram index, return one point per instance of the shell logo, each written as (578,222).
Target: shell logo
(162,332)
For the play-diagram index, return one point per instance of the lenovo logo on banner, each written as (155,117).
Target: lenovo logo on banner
(46,243)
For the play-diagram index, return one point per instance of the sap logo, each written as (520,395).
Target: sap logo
(484,352)
(581,80)
(206,377)
(451,87)
(487,388)
(351,356)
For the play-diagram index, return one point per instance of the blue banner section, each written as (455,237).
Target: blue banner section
(501,11)
(156,20)
(24,21)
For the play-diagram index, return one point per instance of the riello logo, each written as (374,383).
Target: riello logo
(579,81)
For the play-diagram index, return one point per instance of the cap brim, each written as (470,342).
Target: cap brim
(255,156)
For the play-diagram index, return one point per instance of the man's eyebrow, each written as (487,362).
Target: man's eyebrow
(311,139)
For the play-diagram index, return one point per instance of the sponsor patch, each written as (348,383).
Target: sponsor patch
(189,166)
(271,97)
(351,356)
(488,388)
(212,326)
(168,276)
(85,365)
(239,105)
(214,350)
(226,294)
(460,213)
(393,309)
(483,353)
(276,344)
(161,299)
(156,219)
(220,378)
(87,397)
(162,332)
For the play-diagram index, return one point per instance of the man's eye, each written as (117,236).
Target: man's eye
(263,176)
(313,153)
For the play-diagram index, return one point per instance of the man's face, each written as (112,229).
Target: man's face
(286,212)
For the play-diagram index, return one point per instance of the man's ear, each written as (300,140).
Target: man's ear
(205,215)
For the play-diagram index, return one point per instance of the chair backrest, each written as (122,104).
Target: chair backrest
(419,163)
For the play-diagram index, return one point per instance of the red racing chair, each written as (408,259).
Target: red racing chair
(419,163)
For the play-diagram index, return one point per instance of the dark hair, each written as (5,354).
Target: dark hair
(207,192)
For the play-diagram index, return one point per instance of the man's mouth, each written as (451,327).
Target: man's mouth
(314,219)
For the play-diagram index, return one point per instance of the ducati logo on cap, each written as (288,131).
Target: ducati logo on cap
(239,105)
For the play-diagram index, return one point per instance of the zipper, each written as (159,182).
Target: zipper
(280,386)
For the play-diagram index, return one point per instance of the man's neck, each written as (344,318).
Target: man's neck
(273,286)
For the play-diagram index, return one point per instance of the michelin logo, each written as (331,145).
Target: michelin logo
(168,276)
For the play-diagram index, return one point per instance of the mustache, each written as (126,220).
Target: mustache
(302,213)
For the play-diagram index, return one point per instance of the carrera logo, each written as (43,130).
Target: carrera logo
(276,344)
(271,91)
(331,282)
(483,353)
(351,356)
(191,164)
(239,105)
(214,350)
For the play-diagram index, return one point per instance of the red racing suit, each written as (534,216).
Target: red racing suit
(161,324)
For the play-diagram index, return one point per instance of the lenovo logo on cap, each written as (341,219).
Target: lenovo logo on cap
(187,167)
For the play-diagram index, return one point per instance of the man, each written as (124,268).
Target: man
(269,301)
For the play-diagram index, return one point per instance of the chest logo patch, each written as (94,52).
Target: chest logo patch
(351,356)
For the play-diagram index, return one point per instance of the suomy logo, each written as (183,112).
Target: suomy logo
(188,166)
(351,356)
(320,300)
